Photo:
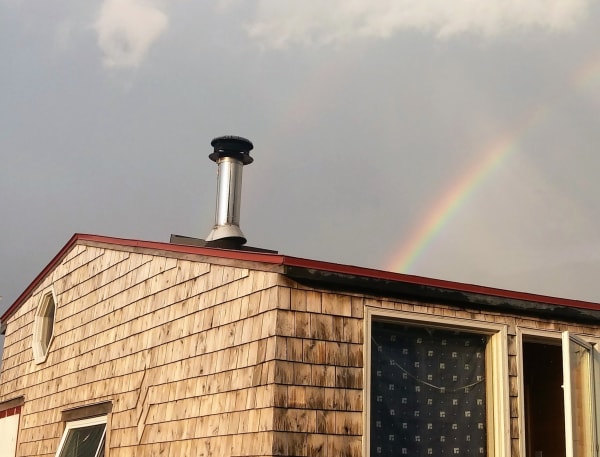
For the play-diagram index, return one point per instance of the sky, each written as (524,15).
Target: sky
(453,140)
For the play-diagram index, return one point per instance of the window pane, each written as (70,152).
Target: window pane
(48,324)
(84,441)
(427,392)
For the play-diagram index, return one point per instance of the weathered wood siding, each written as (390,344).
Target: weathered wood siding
(319,375)
(320,372)
(210,359)
(512,323)
(183,349)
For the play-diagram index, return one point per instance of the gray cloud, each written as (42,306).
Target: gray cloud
(278,24)
(126,30)
(354,145)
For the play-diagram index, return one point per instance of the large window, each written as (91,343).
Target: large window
(83,438)
(436,389)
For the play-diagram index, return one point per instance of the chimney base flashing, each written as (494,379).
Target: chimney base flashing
(220,232)
(220,244)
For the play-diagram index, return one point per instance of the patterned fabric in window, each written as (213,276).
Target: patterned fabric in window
(427,392)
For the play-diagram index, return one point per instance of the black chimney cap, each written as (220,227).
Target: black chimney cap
(232,146)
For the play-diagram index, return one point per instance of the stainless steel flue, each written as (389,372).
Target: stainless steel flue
(231,153)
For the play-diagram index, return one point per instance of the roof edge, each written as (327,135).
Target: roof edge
(27,292)
(437,291)
(82,238)
(325,269)
(349,270)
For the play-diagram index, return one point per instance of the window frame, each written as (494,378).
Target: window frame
(42,324)
(81,423)
(559,338)
(568,340)
(10,424)
(497,384)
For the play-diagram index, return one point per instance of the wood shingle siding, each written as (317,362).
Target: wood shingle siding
(319,375)
(183,349)
(201,355)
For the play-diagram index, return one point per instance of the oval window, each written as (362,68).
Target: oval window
(43,327)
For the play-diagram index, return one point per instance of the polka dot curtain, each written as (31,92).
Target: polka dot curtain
(427,392)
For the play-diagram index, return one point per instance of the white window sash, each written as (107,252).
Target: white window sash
(574,425)
(81,424)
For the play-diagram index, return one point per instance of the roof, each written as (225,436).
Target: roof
(346,277)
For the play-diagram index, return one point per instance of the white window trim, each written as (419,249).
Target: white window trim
(596,380)
(9,432)
(499,444)
(40,354)
(556,337)
(80,424)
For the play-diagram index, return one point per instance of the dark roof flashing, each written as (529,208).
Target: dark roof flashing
(433,291)
(226,243)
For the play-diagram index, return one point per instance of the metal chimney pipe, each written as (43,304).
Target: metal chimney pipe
(231,153)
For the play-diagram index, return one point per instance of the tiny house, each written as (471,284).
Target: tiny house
(125,347)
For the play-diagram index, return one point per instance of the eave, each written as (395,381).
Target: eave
(349,278)
(465,296)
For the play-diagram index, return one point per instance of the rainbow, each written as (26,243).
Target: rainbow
(588,74)
(404,258)
(459,192)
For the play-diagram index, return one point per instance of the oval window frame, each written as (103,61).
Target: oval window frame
(43,326)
